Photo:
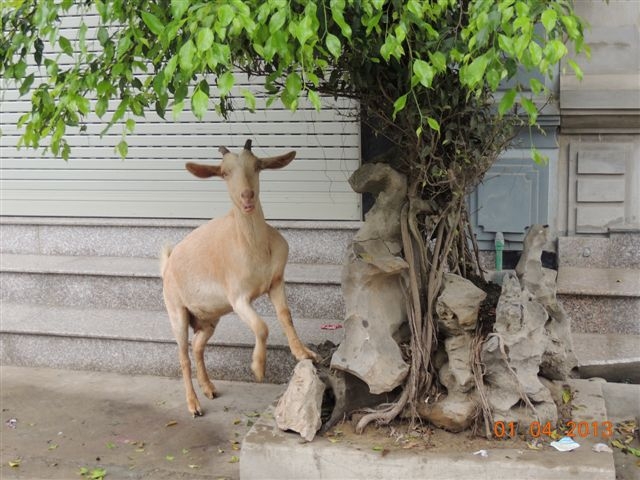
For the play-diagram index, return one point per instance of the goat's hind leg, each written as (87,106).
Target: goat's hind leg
(180,325)
(199,343)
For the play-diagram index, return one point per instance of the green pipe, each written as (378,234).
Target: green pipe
(499,243)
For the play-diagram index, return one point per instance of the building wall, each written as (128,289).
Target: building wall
(599,158)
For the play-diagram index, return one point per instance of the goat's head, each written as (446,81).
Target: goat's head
(241,172)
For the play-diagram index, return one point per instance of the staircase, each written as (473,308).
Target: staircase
(87,294)
(599,282)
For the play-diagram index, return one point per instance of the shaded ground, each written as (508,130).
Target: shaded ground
(132,427)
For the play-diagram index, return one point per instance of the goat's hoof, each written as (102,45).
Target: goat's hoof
(197,413)
(210,392)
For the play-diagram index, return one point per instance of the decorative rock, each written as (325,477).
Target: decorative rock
(458,305)
(458,350)
(375,311)
(558,358)
(453,413)
(512,357)
(299,407)
(371,285)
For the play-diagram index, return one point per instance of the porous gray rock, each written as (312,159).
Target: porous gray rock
(372,286)
(458,305)
(512,356)
(299,408)
(558,357)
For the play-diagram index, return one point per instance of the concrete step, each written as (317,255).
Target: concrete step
(601,300)
(268,452)
(138,341)
(614,357)
(313,290)
(323,242)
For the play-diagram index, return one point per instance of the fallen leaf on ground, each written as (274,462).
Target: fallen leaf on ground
(234,459)
(111,445)
(185,451)
(170,458)
(15,463)
(171,423)
(194,466)
(53,446)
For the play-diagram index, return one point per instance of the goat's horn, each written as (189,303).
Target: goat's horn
(247,145)
(223,150)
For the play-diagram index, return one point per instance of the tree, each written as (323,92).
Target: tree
(426,74)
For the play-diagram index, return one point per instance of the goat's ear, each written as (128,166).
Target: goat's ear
(277,162)
(204,171)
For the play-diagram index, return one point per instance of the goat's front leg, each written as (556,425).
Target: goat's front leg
(279,300)
(248,315)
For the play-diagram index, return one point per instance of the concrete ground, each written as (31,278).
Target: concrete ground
(57,423)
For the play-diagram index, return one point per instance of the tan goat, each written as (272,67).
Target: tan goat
(224,265)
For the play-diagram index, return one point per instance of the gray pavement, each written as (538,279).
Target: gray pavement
(132,427)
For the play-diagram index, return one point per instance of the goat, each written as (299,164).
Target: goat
(224,265)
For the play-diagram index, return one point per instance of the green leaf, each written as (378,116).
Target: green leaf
(543,160)
(101,106)
(293,84)
(438,60)
(577,70)
(535,53)
(176,110)
(530,108)
(153,22)
(472,74)
(554,51)
(333,45)
(103,36)
(65,45)
(433,123)
(199,103)
(122,148)
(225,83)
(178,7)
(507,101)
(234,459)
(566,393)
(536,85)
(185,56)
(204,39)
(424,72)
(549,18)
(225,15)
(277,20)
(314,98)
(399,104)
(249,99)
(130,124)
(26,84)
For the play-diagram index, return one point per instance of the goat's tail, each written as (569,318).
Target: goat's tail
(164,258)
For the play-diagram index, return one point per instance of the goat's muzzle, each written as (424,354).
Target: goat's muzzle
(248,203)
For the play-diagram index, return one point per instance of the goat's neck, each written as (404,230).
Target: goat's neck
(252,229)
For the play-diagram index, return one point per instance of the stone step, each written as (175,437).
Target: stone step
(313,290)
(323,242)
(139,341)
(620,249)
(601,300)
(614,357)
(268,452)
